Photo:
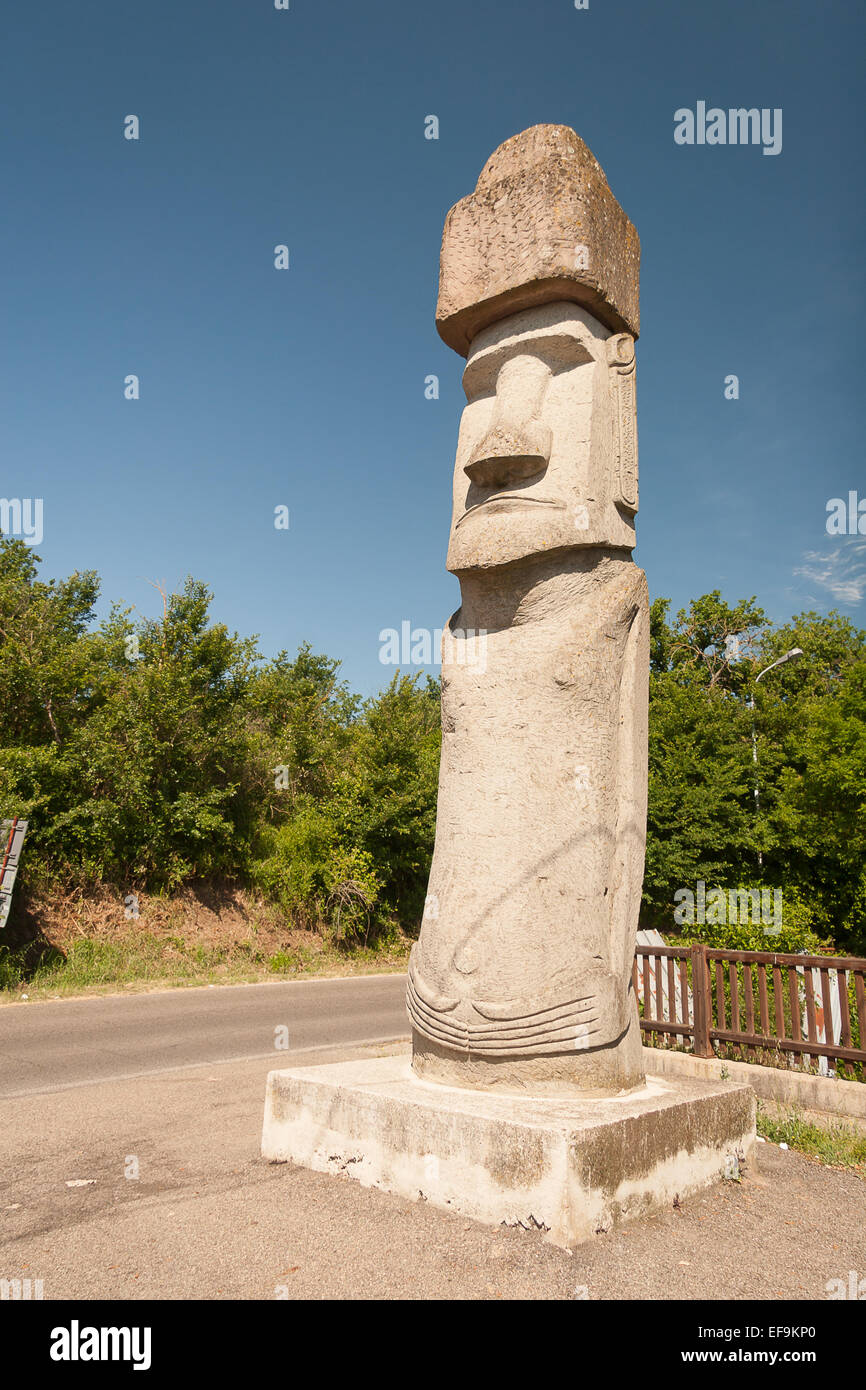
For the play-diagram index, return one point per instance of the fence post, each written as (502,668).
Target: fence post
(701,997)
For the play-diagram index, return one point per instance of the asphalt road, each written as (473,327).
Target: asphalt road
(50,1046)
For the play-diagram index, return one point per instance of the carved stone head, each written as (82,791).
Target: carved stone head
(538,289)
(546,458)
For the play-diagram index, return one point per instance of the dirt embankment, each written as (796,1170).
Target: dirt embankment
(63,940)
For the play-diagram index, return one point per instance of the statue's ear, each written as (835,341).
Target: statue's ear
(620,356)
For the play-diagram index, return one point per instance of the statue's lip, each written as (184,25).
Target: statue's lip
(510,499)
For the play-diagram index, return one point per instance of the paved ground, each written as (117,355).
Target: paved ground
(47,1045)
(207,1218)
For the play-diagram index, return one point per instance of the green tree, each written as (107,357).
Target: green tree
(806,833)
(700,822)
(46,654)
(811,739)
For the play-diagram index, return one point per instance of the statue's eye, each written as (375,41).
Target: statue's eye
(558,352)
(479,378)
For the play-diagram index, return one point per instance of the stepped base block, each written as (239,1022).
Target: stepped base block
(573,1168)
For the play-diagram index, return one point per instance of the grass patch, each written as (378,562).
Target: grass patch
(835,1144)
(140,961)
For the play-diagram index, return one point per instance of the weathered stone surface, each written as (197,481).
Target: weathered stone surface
(547,449)
(574,1168)
(542,225)
(521,978)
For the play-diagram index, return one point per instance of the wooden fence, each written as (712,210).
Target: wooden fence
(754,1006)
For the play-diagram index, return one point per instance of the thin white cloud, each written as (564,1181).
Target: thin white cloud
(840,569)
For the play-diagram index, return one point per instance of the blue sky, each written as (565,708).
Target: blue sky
(305,387)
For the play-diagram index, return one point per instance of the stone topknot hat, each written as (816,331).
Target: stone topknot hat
(541,225)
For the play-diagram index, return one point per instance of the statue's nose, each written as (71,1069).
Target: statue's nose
(509,453)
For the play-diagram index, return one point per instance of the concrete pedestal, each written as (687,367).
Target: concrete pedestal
(573,1168)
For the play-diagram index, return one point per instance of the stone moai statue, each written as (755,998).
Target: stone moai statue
(521,979)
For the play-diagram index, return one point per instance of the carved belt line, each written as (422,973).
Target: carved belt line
(524,1032)
(564,1009)
(553,1032)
